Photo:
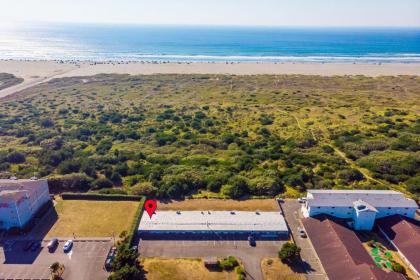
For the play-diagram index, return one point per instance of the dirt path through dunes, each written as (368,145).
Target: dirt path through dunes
(33,73)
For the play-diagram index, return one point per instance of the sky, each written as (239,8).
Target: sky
(218,12)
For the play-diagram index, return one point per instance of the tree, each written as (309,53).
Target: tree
(289,252)
(54,267)
(144,188)
(413,184)
(104,146)
(127,273)
(266,185)
(126,265)
(102,183)
(237,187)
(16,157)
(350,175)
(56,270)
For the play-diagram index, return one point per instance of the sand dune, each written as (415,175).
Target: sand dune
(35,72)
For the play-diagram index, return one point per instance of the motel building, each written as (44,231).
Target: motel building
(215,224)
(20,200)
(360,207)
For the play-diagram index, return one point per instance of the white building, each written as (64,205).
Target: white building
(259,224)
(20,200)
(361,206)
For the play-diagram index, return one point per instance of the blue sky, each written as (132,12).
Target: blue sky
(218,12)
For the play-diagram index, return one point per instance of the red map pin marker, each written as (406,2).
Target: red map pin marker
(150,206)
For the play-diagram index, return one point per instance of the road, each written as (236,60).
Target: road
(312,264)
(250,256)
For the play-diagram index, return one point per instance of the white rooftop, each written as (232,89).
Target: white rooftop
(213,221)
(346,198)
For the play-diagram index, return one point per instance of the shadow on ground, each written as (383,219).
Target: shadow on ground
(25,248)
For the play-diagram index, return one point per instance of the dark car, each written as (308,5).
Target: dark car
(35,246)
(28,245)
(110,258)
(251,241)
(53,244)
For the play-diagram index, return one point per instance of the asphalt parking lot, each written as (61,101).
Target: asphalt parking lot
(250,256)
(84,261)
(313,267)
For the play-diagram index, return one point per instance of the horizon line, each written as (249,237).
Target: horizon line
(210,25)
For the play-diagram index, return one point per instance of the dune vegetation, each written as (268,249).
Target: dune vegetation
(8,80)
(225,136)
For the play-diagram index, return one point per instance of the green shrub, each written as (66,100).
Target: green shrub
(228,263)
(144,188)
(398,268)
(240,272)
(102,183)
(289,252)
(16,157)
(69,182)
(112,191)
(413,184)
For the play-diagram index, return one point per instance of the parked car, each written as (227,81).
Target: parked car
(251,241)
(28,245)
(67,246)
(301,199)
(52,244)
(110,258)
(35,246)
(301,232)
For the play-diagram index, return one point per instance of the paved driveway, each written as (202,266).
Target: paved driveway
(250,256)
(84,261)
(313,267)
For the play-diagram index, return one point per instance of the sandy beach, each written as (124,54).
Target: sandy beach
(35,72)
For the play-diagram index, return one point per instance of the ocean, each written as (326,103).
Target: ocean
(94,42)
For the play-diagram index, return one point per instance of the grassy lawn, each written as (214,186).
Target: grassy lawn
(88,218)
(218,204)
(274,269)
(180,269)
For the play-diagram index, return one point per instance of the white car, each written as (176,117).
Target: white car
(301,200)
(67,246)
(301,232)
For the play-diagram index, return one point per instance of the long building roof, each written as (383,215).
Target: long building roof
(213,221)
(405,234)
(341,252)
(345,198)
(13,189)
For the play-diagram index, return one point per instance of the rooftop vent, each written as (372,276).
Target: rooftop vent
(178,212)
(232,212)
(361,207)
